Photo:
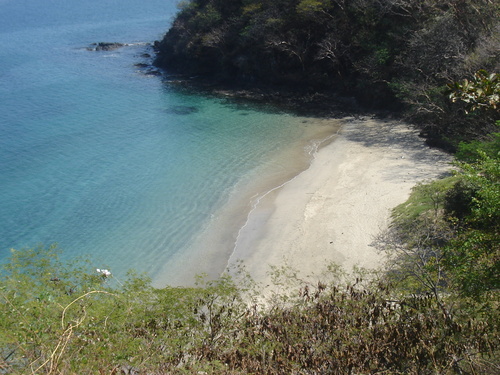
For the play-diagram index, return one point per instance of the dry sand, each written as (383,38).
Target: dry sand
(332,211)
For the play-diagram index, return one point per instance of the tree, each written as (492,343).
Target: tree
(473,255)
(482,93)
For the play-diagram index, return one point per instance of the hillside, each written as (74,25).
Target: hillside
(395,55)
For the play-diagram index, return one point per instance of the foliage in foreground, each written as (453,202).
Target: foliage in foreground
(60,319)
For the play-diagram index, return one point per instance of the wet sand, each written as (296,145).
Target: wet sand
(210,252)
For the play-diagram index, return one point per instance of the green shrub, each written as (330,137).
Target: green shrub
(88,322)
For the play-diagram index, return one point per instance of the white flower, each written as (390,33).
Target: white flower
(103,272)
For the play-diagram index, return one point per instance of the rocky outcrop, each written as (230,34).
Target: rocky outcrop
(105,46)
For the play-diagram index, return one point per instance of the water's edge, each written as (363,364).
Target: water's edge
(212,251)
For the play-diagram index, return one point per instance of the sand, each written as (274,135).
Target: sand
(331,212)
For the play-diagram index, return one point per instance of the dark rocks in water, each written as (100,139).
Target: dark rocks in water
(153,72)
(181,109)
(143,67)
(105,46)
(147,69)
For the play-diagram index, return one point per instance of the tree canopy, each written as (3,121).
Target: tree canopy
(396,54)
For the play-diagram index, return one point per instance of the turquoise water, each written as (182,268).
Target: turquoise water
(113,164)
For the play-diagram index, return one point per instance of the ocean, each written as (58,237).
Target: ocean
(122,167)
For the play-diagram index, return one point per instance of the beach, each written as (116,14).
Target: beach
(332,211)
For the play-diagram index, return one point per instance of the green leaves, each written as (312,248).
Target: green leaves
(481,93)
(446,237)
(310,7)
(473,256)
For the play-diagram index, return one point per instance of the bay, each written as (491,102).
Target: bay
(116,165)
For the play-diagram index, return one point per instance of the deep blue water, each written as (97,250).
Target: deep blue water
(108,162)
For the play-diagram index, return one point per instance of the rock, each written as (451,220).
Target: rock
(153,72)
(147,69)
(105,46)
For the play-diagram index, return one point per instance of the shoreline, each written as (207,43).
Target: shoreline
(326,212)
(331,212)
(209,252)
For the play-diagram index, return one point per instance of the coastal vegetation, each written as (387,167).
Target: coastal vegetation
(433,310)
(63,319)
(396,55)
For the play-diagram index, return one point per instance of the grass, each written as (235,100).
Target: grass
(425,197)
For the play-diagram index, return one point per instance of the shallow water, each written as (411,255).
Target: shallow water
(116,165)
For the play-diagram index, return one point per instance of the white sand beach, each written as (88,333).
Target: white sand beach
(332,211)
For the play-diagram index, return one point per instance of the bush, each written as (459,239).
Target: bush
(72,321)
(444,239)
